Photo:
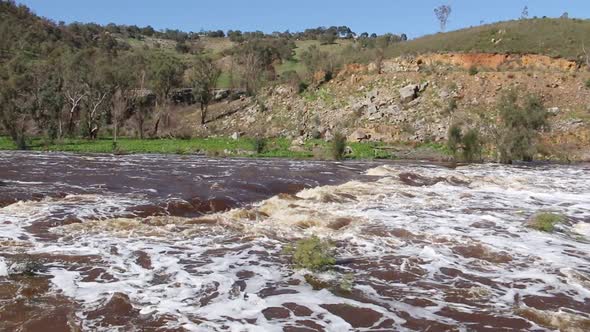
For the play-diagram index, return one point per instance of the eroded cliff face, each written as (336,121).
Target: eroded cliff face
(416,99)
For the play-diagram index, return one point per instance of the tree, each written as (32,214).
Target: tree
(165,73)
(327,38)
(525,13)
(74,71)
(50,99)
(251,69)
(442,15)
(100,85)
(202,77)
(18,99)
(520,121)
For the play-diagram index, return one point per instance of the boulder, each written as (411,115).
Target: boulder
(553,110)
(221,94)
(236,136)
(409,92)
(359,135)
(300,141)
(391,110)
(374,113)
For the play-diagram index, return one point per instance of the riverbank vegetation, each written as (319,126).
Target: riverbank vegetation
(512,130)
(224,147)
(91,88)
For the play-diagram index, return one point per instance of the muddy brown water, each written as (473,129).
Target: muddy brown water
(187,243)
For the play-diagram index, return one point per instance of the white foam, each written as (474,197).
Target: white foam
(192,262)
(3,268)
(582,228)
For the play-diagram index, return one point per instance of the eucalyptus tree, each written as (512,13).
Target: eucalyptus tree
(202,77)
(164,73)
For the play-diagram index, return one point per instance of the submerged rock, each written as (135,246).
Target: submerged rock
(118,310)
(563,321)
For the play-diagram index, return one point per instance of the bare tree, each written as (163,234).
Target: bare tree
(250,69)
(74,96)
(202,77)
(95,104)
(442,15)
(525,13)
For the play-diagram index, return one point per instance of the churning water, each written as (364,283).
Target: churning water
(168,243)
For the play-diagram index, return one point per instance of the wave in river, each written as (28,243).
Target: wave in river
(426,247)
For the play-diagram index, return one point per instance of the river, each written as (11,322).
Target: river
(189,243)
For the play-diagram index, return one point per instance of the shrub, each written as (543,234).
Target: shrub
(259,145)
(338,146)
(519,126)
(451,107)
(545,221)
(473,71)
(469,143)
(588,84)
(454,138)
(312,253)
(471,146)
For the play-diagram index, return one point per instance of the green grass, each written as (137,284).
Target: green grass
(224,81)
(302,45)
(244,147)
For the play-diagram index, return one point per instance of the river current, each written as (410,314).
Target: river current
(189,243)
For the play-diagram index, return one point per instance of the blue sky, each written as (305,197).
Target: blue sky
(414,18)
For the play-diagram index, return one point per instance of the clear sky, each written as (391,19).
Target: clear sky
(415,18)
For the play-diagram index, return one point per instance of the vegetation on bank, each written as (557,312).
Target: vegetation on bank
(512,130)
(78,84)
(221,146)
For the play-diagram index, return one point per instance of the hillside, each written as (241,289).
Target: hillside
(97,80)
(552,37)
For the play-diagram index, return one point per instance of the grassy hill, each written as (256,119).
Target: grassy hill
(552,37)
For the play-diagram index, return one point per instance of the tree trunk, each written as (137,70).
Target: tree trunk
(140,122)
(203,113)
(71,123)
